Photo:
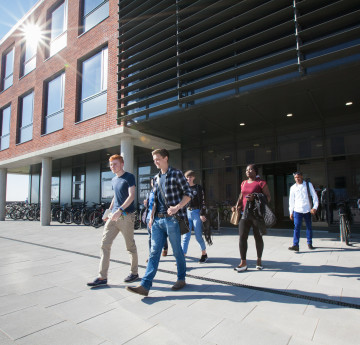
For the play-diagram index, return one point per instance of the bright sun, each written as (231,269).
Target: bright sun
(33,34)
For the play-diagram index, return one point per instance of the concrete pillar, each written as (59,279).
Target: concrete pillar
(3,176)
(127,151)
(45,201)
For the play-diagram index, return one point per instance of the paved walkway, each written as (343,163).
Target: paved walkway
(310,297)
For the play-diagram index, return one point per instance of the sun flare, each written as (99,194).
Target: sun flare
(33,34)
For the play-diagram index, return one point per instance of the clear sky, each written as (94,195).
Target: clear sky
(10,12)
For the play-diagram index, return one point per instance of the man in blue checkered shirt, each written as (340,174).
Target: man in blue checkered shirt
(172,194)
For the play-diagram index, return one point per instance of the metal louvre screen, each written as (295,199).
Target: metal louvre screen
(177,54)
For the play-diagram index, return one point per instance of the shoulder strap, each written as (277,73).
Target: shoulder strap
(162,193)
(309,195)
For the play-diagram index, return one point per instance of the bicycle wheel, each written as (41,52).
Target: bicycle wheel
(137,221)
(30,214)
(86,219)
(96,219)
(37,214)
(55,213)
(68,217)
(77,217)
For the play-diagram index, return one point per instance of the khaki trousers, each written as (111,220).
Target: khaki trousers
(112,228)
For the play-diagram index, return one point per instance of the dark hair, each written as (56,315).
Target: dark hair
(297,173)
(189,173)
(162,152)
(255,167)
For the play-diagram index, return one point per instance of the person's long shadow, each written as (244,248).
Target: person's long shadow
(218,292)
(240,293)
(282,266)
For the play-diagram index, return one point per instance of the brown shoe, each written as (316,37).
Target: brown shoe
(138,289)
(178,285)
(164,253)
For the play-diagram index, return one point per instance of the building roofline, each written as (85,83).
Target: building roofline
(21,21)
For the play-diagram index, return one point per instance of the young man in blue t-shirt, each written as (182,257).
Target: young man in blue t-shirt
(121,219)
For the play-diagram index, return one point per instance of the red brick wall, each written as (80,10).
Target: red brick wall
(67,59)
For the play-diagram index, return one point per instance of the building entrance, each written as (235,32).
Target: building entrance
(279,178)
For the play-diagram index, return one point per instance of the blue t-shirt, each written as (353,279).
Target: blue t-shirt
(161,204)
(120,186)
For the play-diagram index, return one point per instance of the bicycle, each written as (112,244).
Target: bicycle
(344,221)
(95,217)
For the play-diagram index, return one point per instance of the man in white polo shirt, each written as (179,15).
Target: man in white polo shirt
(300,207)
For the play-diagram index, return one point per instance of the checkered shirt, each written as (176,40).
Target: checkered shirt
(176,186)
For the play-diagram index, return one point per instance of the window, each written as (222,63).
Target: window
(28,57)
(106,185)
(5,127)
(55,187)
(58,34)
(95,11)
(94,85)
(26,117)
(78,192)
(54,117)
(8,69)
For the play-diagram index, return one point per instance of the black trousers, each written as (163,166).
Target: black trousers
(244,229)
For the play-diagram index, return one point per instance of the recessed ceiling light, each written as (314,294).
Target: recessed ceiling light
(289,115)
(256,145)
(348,103)
(242,124)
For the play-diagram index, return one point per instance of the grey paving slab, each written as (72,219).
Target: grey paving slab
(285,322)
(159,335)
(5,340)
(117,326)
(80,309)
(195,322)
(229,332)
(51,296)
(27,321)
(65,333)
(14,302)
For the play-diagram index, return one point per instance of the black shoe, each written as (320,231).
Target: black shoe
(294,248)
(311,246)
(97,282)
(203,258)
(131,278)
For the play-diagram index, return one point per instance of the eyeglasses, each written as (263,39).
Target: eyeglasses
(297,173)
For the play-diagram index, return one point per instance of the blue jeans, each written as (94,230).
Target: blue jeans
(298,217)
(149,232)
(196,224)
(162,228)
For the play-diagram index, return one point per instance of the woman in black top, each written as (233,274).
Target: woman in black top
(196,215)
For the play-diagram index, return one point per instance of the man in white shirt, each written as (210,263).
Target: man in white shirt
(300,207)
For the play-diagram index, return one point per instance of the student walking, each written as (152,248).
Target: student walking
(196,211)
(252,185)
(121,219)
(303,202)
(172,194)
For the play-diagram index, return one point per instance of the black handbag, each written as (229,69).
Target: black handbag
(184,226)
(269,217)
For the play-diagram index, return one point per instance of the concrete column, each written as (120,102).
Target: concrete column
(3,176)
(45,201)
(127,151)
